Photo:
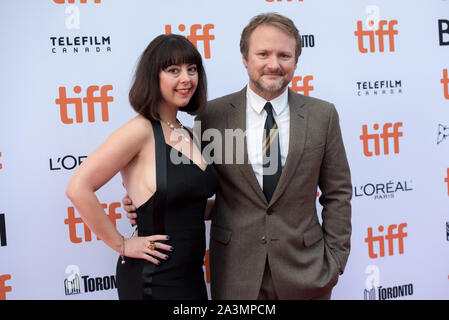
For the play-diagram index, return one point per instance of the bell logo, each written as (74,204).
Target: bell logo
(74,1)
(389,238)
(2,230)
(90,100)
(443,28)
(72,222)
(445,82)
(380,33)
(447,181)
(194,37)
(385,135)
(305,88)
(443,133)
(3,287)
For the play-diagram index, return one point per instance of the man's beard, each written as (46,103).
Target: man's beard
(271,87)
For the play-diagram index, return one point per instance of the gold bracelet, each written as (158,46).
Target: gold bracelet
(122,254)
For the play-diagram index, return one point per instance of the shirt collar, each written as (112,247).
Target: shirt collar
(257,102)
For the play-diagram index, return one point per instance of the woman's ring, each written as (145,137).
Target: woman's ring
(152,245)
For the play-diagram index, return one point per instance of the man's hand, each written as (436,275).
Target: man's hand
(129,208)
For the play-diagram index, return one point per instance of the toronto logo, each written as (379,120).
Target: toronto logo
(72,282)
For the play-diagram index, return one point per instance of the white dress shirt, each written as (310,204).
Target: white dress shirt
(255,123)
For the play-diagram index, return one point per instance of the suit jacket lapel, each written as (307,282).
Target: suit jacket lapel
(298,126)
(237,120)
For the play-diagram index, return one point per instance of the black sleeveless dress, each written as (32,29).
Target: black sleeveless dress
(175,209)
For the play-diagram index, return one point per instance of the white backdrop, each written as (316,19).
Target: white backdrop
(400,241)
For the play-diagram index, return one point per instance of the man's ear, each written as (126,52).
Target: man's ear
(245,63)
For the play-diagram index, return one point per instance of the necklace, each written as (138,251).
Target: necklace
(182,129)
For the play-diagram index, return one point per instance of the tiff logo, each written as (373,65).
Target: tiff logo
(380,33)
(389,238)
(3,287)
(74,1)
(305,88)
(72,222)
(206,265)
(445,82)
(2,230)
(1,166)
(447,181)
(385,136)
(194,37)
(90,99)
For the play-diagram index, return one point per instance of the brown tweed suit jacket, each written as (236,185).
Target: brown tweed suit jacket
(305,257)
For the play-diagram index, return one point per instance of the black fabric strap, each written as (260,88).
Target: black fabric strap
(159,204)
(161,178)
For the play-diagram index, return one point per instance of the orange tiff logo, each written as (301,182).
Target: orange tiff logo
(74,1)
(447,181)
(380,33)
(206,265)
(73,221)
(305,88)
(445,82)
(385,136)
(194,37)
(389,238)
(90,99)
(1,166)
(3,287)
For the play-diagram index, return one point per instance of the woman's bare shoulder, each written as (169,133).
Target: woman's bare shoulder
(138,127)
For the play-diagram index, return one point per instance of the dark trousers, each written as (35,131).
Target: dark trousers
(268,292)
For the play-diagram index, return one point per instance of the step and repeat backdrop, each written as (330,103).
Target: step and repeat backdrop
(66,69)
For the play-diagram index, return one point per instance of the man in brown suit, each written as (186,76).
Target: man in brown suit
(266,241)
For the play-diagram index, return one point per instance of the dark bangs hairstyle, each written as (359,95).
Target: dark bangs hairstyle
(164,51)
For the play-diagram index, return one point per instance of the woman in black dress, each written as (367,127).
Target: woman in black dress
(164,174)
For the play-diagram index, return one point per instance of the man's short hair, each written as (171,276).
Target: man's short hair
(275,20)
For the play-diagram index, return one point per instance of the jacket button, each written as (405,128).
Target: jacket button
(263,240)
(269,211)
